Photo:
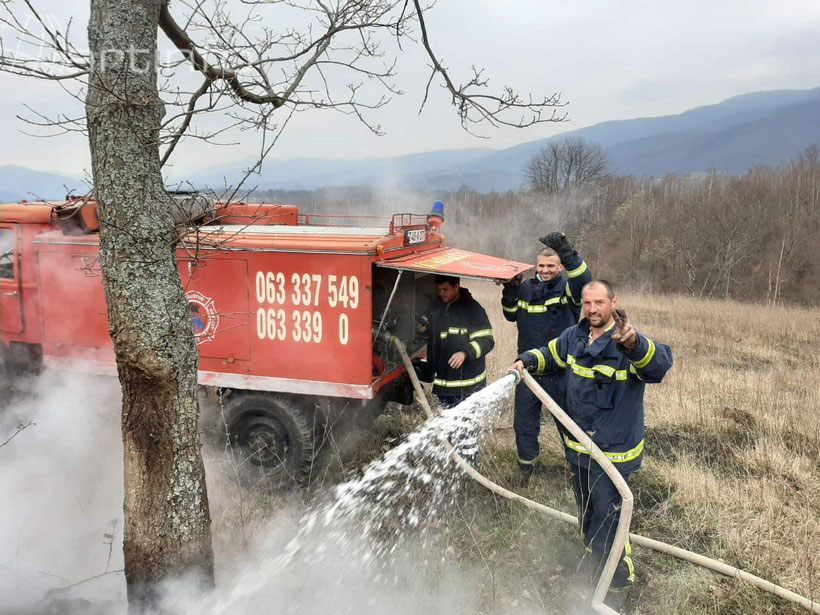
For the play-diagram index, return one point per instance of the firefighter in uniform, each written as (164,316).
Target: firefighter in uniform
(543,307)
(606,365)
(459,337)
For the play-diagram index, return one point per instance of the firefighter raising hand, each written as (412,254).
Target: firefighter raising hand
(625,333)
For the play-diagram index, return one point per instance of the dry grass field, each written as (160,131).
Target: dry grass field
(732,470)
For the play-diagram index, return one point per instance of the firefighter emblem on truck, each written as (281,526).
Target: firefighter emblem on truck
(204,317)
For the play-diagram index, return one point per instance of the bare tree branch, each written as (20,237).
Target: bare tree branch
(474,107)
(249,69)
(189,115)
(183,42)
(19,430)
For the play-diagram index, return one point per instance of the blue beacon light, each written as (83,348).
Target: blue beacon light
(436,216)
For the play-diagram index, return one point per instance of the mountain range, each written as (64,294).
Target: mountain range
(758,128)
(18,183)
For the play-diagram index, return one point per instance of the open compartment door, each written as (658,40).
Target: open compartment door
(452,261)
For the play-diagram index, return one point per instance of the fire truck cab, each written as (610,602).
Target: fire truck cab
(288,310)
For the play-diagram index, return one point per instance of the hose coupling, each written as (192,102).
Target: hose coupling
(515,374)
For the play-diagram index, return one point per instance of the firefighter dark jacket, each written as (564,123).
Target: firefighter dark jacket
(542,310)
(458,326)
(604,389)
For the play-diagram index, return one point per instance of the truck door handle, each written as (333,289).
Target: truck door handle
(11,294)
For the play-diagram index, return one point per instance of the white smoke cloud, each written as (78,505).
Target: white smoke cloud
(61,495)
(61,510)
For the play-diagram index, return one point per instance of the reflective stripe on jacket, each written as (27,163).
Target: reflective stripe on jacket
(543,310)
(604,388)
(460,326)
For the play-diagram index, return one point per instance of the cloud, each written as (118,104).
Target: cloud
(611,59)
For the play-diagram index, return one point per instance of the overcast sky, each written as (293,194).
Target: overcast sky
(610,59)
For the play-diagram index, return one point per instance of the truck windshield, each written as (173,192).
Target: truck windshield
(6,253)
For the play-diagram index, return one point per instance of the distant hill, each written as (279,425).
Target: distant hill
(311,173)
(759,128)
(17,183)
(766,128)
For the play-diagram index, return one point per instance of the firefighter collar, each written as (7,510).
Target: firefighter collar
(596,346)
(550,283)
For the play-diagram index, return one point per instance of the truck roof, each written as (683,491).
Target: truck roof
(308,238)
(297,238)
(243,227)
(31,213)
(404,241)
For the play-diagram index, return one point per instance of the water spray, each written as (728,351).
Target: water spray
(626,513)
(621,533)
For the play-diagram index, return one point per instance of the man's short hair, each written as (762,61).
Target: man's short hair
(451,279)
(546,252)
(610,291)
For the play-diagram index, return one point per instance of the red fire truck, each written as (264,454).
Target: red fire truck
(288,310)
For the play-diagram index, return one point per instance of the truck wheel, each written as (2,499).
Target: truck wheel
(270,440)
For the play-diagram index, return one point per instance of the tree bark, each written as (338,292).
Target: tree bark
(166,516)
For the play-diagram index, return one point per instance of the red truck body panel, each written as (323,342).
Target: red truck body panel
(275,305)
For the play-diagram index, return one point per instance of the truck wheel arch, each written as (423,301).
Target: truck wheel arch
(271,442)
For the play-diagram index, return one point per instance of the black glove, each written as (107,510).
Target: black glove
(514,282)
(559,242)
(510,290)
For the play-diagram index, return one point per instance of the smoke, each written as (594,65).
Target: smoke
(331,581)
(61,496)
(372,545)
(506,224)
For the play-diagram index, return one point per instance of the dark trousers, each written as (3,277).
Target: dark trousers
(454,397)
(527,421)
(449,401)
(599,508)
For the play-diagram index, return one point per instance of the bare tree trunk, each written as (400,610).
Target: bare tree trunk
(166,516)
(779,267)
(769,286)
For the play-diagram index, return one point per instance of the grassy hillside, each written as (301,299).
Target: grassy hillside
(732,470)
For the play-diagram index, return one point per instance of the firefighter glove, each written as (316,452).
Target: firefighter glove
(509,292)
(559,242)
(514,282)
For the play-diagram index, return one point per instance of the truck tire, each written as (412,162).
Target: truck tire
(270,440)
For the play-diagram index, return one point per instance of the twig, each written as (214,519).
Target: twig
(61,590)
(20,428)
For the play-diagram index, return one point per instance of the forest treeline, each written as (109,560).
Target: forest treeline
(753,236)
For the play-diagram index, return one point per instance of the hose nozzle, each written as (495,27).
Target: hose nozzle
(515,374)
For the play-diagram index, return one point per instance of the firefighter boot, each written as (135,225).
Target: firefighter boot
(525,471)
(616,597)
(621,582)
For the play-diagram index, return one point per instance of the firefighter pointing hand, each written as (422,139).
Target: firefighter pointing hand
(624,332)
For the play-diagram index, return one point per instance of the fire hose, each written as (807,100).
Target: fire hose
(626,508)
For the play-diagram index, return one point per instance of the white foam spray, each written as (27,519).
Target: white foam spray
(369,546)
